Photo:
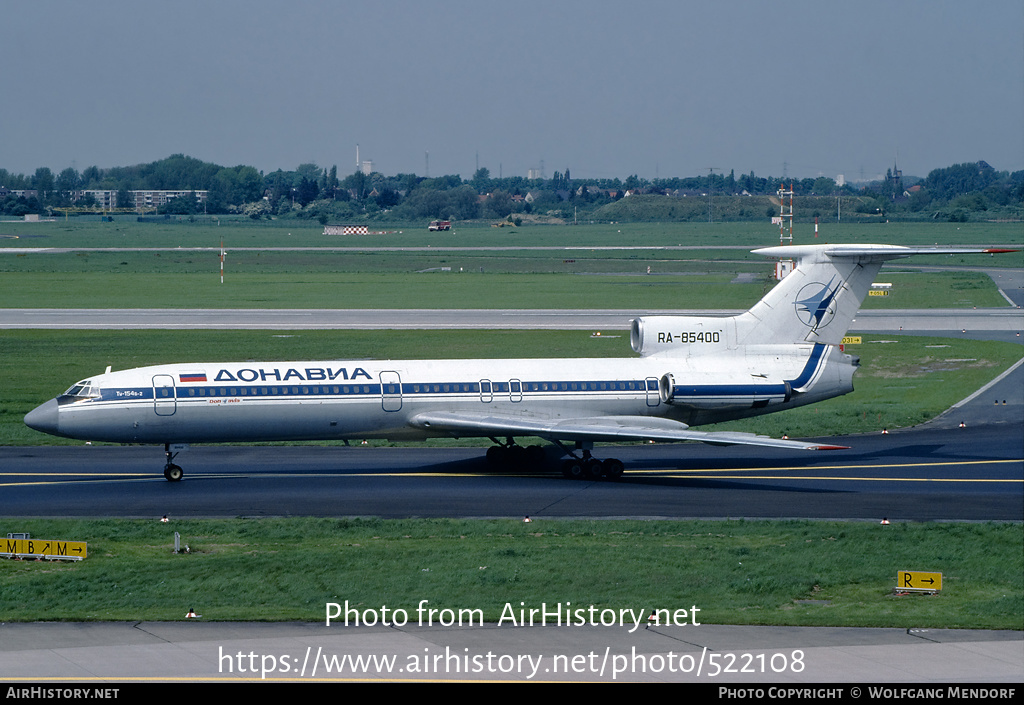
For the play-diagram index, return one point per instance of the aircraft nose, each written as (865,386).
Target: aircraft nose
(43,417)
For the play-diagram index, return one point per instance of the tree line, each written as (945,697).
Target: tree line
(957,192)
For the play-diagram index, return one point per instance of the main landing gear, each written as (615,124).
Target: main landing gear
(172,472)
(508,455)
(590,468)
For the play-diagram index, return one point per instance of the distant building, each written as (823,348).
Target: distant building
(157,197)
(105,199)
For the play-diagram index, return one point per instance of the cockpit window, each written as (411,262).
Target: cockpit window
(83,390)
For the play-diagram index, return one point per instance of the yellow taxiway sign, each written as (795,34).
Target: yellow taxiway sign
(43,548)
(918,580)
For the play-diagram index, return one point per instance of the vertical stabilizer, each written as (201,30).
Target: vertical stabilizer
(817,301)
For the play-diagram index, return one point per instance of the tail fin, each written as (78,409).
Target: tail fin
(817,301)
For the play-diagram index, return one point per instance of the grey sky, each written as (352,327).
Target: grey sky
(603,88)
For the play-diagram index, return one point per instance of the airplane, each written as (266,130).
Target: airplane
(691,370)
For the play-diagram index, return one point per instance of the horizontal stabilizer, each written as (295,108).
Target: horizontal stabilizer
(871,253)
(817,301)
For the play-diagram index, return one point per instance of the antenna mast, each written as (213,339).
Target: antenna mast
(784,266)
(785,215)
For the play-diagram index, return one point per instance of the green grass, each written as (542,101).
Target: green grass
(241,232)
(898,384)
(510,277)
(358,290)
(444,290)
(735,572)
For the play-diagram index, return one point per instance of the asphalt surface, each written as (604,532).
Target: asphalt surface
(103,654)
(1007,320)
(935,474)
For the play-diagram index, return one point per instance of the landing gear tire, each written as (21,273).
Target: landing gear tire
(497,456)
(173,473)
(516,457)
(613,468)
(573,469)
(535,455)
(593,469)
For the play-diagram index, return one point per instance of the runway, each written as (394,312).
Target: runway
(1003,320)
(929,474)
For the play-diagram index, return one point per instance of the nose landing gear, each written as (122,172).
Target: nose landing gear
(172,472)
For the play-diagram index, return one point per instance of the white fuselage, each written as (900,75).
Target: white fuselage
(221,402)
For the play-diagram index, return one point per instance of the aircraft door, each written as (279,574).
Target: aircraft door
(653,394)
(515,390)
(391,391)
(486,392)
(165,396)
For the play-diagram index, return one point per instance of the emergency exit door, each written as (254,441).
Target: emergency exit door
(165,396)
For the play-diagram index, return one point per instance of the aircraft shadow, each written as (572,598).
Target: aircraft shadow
(551,471)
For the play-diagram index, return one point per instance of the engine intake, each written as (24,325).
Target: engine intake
(682,336)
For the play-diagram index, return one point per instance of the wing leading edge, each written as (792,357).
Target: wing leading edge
(601,428)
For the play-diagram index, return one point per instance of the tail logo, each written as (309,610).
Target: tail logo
(814,304)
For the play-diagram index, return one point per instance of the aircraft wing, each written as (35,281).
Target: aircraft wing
(597,428)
